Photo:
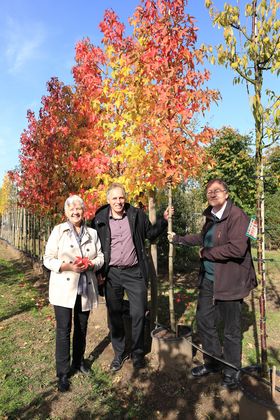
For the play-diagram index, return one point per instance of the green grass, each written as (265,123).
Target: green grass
(16,293)
(26,363)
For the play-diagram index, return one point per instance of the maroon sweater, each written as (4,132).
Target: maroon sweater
(234,273)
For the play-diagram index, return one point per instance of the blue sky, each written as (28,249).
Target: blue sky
(37,41)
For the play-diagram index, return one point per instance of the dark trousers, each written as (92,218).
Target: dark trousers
(131,281)
(63,330)
(212,314)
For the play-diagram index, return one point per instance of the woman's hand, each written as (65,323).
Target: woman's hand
(76,267)
(79,267)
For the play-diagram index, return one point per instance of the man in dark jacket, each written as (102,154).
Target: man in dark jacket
(227,275)
(122,230)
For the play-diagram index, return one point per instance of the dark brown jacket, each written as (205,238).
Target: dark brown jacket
(234,271)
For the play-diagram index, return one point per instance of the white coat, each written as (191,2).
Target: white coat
(62,247)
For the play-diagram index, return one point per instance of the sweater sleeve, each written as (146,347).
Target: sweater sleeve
(237,243)
(189,240)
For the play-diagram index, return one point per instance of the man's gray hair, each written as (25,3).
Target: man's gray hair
(219,181)
(113,186)
(73,199)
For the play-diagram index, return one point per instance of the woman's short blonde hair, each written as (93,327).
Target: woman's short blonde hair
(73,199)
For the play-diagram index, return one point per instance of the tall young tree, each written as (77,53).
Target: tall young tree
(250,49)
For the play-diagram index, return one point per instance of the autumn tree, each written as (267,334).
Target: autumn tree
(251,48)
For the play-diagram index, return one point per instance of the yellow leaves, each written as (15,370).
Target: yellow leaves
(234,65)
(228,33)
(248,10)
(95,104)
(213,60)
(5,194)
(126,71)
(208,3)
(141,41)
(110,51)
(276,25)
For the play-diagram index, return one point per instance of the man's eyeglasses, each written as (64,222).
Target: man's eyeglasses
(214,192)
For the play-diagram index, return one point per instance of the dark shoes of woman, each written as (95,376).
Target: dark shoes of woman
(82,367)
(63,383)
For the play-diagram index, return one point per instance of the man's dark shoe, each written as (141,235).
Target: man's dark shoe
(203,370)
(81,368)
(138,362)
(117,362)
(229,381)
(63,383)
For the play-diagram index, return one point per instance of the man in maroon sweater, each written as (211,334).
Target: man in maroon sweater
(226,276)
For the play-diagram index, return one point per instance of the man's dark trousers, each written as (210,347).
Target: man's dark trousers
(209,315)
(131,281)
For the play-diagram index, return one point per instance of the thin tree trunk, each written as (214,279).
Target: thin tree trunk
(258,113)
(153,262)
(170,263)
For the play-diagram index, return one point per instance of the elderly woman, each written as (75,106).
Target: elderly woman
(73,254)
(226,276)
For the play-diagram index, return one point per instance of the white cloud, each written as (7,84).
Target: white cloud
(23,43)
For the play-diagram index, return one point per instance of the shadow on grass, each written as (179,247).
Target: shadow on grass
(98,350)
(272,293)
(18,280)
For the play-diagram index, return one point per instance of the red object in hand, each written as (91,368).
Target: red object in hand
(83,261)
